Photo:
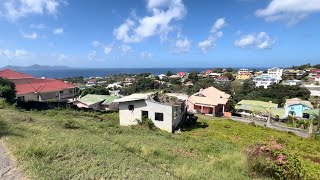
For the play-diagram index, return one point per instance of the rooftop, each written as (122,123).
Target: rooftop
(10,74)
(94,98)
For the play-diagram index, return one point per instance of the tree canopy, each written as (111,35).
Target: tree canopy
(100,90)
(7,90)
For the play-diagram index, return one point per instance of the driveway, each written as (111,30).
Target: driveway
(8,171)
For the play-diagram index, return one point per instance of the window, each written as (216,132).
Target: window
(21,98)
(144,114)
(158,116)
(61,92)
(131,107)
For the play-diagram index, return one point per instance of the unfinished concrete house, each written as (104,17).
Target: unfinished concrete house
(165,111)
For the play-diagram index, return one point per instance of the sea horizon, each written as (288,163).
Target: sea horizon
(103,72)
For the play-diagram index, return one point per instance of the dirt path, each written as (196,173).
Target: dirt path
(7,169)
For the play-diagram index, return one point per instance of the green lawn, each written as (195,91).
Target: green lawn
(75,145)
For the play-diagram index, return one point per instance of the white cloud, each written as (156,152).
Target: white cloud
(290,11)
(182,46)
(157,3)
(125,48)
(146,55)
(163,12)
(215,34)
(37,26)
(260,41)
(92,55)
(57,31)
(32,35)
(16,54)
(15,9)
(96,44)
(219,24)
(107,50)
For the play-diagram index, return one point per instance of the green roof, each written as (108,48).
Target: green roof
(261,107)
(313,112)
(94,98)
(258,103)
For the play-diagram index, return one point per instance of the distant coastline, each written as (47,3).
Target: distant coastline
(103,72)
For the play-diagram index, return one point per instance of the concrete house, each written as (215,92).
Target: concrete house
(275,73)
(29,88)
(209,101)
(265,81)
(296,106)
(165,111)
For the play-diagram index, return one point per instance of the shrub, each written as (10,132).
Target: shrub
(70,124)
(147,123)
(302,123)
(273,161)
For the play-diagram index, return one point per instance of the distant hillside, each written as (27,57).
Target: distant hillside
(35,67)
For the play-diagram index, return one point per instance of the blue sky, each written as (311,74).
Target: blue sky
(159,33)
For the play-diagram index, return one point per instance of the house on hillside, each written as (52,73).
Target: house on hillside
(275,73)
(181,74)
(165,111)
(209,101)
(222,79)
(296,106)
(259,109)
(264,81)
(292,82)
(97,102)
(162,76)
(317,79)
(243,74)
(313,73)
(29,88)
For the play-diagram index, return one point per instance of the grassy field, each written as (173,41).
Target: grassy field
(75,145)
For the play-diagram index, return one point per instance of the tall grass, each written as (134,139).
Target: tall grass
(66,144)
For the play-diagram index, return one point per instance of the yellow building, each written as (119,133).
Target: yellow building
(243,76)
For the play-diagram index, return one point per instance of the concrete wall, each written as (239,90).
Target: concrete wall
(29,97)
(129,117)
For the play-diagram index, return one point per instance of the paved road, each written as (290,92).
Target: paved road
(276,126)
(7,169)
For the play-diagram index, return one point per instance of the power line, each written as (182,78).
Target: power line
(11,59)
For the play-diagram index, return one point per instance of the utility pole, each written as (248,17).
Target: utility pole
(269,117)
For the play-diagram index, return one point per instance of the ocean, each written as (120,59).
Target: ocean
(103,72)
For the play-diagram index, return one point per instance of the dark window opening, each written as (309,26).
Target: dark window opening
(158,116)
(131,107)
(144,114)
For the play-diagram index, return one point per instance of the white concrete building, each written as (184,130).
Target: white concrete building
(166,112)
(292,82)
(264,81)
(162,76)
(275,73)
(243,71)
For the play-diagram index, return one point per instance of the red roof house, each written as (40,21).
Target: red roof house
(181,74)
(10,74)
(38,89)
(208,71)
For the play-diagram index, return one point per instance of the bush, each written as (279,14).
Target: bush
(147,123)
(302,123)
(7,90)
(273,161)
(70,124)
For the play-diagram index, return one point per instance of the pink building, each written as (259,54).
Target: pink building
(209,101)
(208,71)
(181,74)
